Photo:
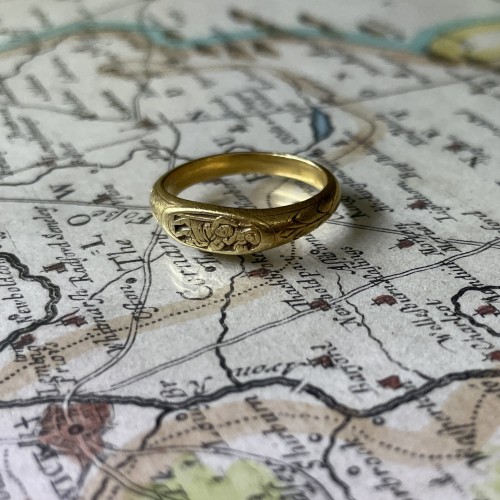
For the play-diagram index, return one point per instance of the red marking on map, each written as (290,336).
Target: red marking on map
(25,339)
(148,124)
(454,147)
(385,299)
(406,243)
(258,273)
(60,267)
(494,356)
(320,304)
(87,422)
(391,382)
(325,361)
(487,309)
(418,204)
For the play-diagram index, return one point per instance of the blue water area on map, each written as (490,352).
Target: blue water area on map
(154,33)
(416,45)
(321,125)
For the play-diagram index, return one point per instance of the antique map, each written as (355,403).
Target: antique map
(361,361)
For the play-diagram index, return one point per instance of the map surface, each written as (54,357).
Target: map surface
(359,362)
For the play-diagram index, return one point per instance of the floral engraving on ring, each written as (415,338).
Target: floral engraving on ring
(216,234)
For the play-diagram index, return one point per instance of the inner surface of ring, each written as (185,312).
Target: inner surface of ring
(211,168)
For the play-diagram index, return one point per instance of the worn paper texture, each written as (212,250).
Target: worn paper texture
(360,362)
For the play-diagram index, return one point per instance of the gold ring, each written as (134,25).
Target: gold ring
(238,231)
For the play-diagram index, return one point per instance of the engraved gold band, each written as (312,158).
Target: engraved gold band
(228,230)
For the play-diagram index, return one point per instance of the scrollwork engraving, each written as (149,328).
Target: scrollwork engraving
(307,220)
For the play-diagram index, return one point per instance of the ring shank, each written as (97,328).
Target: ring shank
(206,169)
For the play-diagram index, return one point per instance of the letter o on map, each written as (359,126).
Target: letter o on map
(79,220)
